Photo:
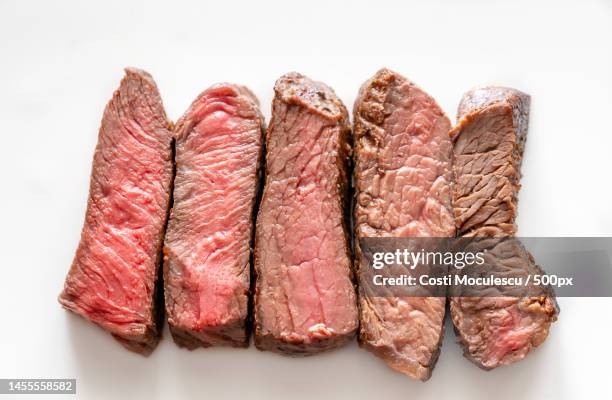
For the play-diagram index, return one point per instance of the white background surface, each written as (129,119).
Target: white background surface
(60,62)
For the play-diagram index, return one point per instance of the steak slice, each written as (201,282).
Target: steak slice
(207,247)
(304,295)
(488,148)
(402,179)
(113,278)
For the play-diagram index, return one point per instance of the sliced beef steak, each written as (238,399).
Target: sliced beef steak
(207,247)
(113,277)
(402,179)
(488,148)
(304,296)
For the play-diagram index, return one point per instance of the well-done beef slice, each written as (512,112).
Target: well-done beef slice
(113,277)
(207,245)
(304,295)
(488,148)
(402,174)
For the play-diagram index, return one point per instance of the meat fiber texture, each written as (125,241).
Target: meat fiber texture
(402,178)
(208,242)
(488,147)
(304,295)
(113,278)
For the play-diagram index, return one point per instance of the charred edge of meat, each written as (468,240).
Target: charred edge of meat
(314,96)
(298,348)
(227,335)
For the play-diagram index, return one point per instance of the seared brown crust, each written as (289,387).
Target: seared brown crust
(232,336)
